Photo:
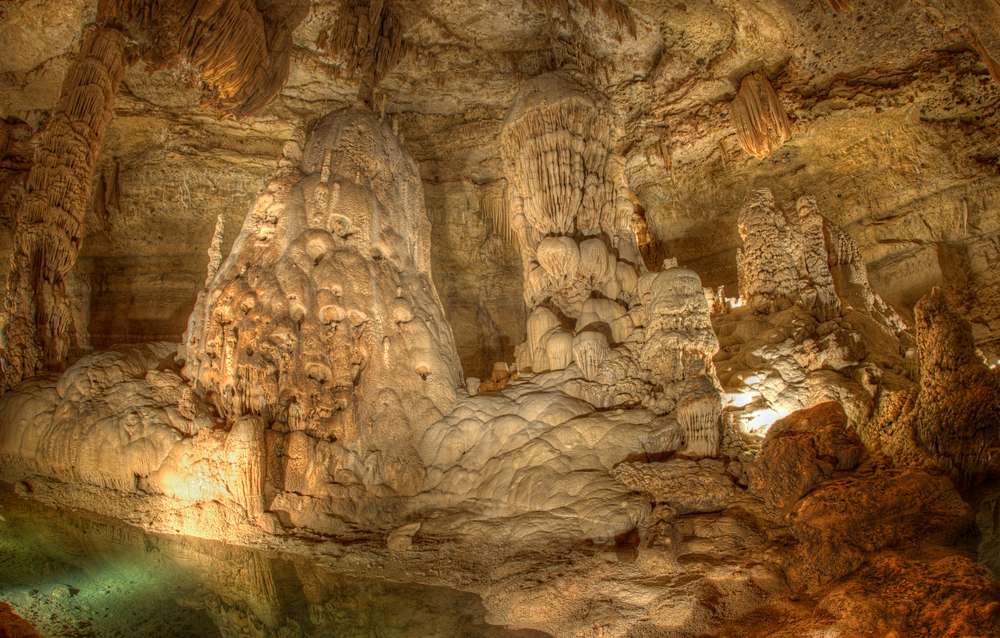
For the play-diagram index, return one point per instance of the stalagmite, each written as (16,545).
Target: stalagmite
(680,341)
(50,223)
(821,296)
(769,279)
(472,385)
(814,323)
(302,325)
(953,418)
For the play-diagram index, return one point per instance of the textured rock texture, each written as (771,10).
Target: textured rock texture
(951,421)
(904,141)
(481,325)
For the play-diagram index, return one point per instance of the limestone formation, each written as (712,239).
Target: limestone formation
(628,451)
(804,260)
(369,35)
(589,351)
(37,318)
(680,343)
(698,411)
(243,63)
(813,330)
(241,53)
(769,280)
(685,485)
(126,420)
(759,117)
(565,185)
(952,420)
(324,320)
(541,453)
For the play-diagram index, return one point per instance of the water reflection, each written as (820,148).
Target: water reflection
(77,574)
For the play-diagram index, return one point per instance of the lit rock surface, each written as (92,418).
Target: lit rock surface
(609,473)
(811,329)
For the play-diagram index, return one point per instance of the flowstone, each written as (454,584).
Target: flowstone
(810,328)
(635,337)
(318,353)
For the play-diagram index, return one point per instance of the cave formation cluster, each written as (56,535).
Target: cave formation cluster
(687,309)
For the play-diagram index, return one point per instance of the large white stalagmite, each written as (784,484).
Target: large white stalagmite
(315,358)
(324,319)
(633,337)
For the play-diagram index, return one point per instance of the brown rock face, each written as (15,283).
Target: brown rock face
(952,421)
(845,521)
(801,450)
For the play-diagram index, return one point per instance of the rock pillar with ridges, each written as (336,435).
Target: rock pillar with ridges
(49,227)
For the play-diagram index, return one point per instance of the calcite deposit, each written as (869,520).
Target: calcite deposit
(632,318)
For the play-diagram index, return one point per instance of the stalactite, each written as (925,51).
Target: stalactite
(759,117)
(615,11)
(494,203)
(242,55)
(837,6)
(698,413)
(370,37)
(991,65)
(49,227)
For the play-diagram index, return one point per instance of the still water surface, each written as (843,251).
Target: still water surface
(77,574)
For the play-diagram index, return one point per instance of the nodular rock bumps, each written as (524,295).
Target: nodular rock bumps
(656,458)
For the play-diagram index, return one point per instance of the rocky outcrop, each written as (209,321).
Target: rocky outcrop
(685,485)
(845,521)
(802,450)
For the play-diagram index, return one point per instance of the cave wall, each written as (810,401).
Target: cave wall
(894,139)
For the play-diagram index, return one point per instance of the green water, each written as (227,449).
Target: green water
(78,574)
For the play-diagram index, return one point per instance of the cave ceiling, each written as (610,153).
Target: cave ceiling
(892,114)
